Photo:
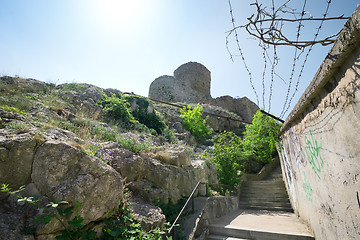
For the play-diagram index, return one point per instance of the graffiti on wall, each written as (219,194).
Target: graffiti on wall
(307,189)
(287,170)
(312,150)
(295,148)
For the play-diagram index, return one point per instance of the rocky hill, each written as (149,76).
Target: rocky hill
(191,84)
(66,143)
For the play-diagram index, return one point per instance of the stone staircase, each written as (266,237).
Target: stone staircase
(265,214)
(268,194)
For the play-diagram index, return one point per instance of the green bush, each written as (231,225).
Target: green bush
(261,137)
(133,144)
(231,154)
(11,109)
(229,158)
(117,108)
(193,122)
(150,119)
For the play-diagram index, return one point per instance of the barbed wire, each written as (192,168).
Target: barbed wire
(294,60)
(273,64)
(240,51)
(267,27)
(307,55)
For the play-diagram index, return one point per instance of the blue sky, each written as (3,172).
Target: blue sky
(126,44)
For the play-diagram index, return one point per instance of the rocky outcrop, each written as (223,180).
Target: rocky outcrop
(63,173)
(55,164)
(191,84)
(58,171)
(161,175)
(241,106)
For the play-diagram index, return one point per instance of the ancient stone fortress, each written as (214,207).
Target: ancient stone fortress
(191,84)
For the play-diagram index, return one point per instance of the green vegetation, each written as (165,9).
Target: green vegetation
(18,125)
(117,108)
(11,109)
(170,210)
(133,144)
(232,155)
(261,137)
(77,87)
(228,158)
(150,119)
(193,122)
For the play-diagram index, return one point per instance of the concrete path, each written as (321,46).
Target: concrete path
(255,223)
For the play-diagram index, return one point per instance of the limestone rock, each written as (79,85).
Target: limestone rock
(63,172)
(24,85)
(148,215)
(241,106)
(16,157)
(153,179)
(132,167)
(174,154)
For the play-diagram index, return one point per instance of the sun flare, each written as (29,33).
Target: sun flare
(116,14)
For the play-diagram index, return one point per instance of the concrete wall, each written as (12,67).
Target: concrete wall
(320,148)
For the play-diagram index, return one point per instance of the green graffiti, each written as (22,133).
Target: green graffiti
(307,189)
(313,154)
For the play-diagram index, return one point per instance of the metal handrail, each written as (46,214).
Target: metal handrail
(187,201)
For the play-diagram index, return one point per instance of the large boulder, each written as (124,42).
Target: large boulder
(174,154)
(52,168)
(148,215)
(63,173)
(16,157)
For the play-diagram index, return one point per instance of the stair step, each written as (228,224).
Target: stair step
(266,202)
(240,233)
(255,207)
(264,198)
(283,192)
(216,237)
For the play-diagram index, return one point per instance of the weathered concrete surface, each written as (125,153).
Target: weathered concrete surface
(270,225)
(320,143)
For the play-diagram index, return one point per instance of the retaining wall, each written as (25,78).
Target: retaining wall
(320,148)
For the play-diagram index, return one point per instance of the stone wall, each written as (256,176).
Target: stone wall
(190,83)
(320,152)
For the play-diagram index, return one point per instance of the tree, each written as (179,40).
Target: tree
(261,137)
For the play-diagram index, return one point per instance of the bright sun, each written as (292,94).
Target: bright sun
(116,14)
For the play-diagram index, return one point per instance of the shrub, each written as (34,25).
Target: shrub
(150,119)
(193,122)
(117,108)
(261,137)
(105,133)
(228,158)
(11,109)
(231,154)
(133,144)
